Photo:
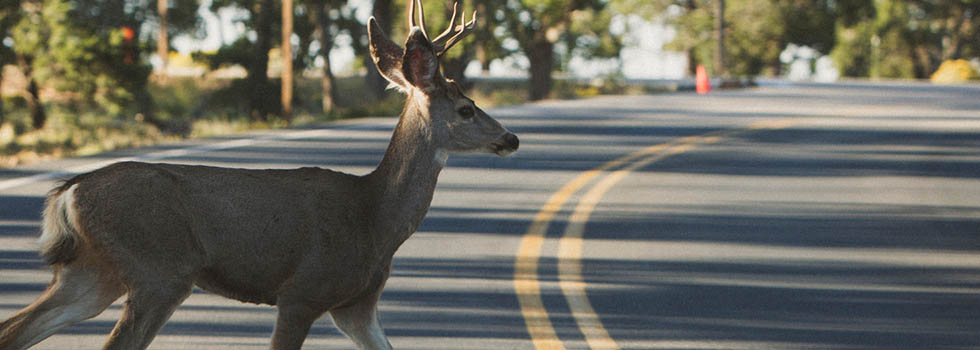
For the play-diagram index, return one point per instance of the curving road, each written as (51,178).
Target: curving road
(782,217)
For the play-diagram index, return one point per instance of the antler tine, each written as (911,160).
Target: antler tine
(411,15)
(422,19)
(452,24)
(442,44)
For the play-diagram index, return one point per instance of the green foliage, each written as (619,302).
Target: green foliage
(70,132)
(756,38)
(757,31)
(852,54)
(239,52)
(589,36)
(552,31)
(87,66)
(904,39)
(9,15)
(82,59)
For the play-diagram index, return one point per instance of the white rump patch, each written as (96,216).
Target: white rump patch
(58,218)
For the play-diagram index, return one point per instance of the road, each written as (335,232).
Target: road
(780,217)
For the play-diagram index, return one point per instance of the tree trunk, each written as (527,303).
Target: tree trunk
(541,56)
(455,68)
(373,80)
(322,12)
(692,62)
(163,44)
(922,62)
(483,36)
(261,91)
(719,38)
(2,112)
(484,58)
(38,116)
(31,95)
(287,60)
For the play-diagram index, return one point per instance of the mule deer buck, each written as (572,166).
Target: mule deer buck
(308,241)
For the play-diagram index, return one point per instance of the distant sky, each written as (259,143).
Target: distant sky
(642,58)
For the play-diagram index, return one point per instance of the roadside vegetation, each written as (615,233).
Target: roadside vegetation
(78,75)
(191,107)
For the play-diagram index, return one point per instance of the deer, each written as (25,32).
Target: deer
(309,241)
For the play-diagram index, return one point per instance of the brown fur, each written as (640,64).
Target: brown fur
(307,240)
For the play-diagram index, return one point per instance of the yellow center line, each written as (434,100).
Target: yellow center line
(526,264)
(572,284)
(570,247)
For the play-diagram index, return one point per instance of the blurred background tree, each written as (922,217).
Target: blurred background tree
(904,39)
(9,15)
(89,51)
(95,55)
(757,31)
(538,26)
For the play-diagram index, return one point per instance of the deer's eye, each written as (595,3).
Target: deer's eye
(466,112)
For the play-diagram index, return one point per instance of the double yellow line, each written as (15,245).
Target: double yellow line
(571,283)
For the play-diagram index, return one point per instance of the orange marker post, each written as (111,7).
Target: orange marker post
(701,83)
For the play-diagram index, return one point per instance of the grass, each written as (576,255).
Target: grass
(199,107)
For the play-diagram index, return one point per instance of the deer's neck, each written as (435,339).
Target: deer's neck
(406,178)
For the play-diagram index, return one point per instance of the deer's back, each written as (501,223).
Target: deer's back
(245,234)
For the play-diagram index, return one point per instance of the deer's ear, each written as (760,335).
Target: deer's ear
(386,54)
(421,64)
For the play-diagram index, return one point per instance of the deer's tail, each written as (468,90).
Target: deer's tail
(60,231)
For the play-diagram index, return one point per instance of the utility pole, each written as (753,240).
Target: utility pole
(719,38)
(163,44)
(287,60)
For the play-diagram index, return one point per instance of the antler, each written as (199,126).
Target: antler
(447,38)
(421,17)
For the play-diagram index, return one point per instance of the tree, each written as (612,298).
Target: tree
(9,15)
(316,23)
(327,28)
(253,54)
(942,30)
(90,51)
(173,16)
(31,35)
(287,60)
(163,41)
(720,37)
(118,57)
(373,81)
(755,32)
(539,25)
(904,39)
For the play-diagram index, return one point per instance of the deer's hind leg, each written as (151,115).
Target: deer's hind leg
(293,323)
(78,292)
(147,308)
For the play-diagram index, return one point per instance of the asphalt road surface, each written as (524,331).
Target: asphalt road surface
(780,217)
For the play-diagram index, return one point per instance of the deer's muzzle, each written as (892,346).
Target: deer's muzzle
(506,144)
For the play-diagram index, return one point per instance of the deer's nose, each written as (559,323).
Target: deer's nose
(512,141)
(508,144)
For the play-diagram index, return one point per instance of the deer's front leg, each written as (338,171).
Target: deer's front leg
(360,322)
(293,323)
